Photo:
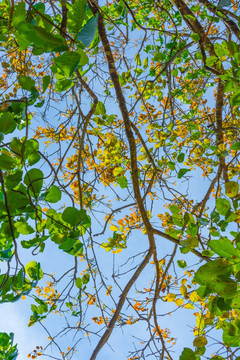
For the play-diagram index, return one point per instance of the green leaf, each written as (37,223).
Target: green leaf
(87,33)
(222,206)
(211,60)
(17,199)
(73,216)
(181,157)
(84,60)
(190,242)
(34,180)
(187,354)
(42,303)
(182,264)
(23,228)
(198,55)
(203,291)
(4,340)
(171,165)
(27,83)
(230,334)
(236,146)
(34,157)
(72,246)
(231,189)
(122,181)
(76,16)
(33,270)
(195,37)
(46,82)
(182,172)
(7,123)
(100,109)
(16,147)
(224,247)
(85,279)
(174,209)
(31,146)
(43,40)
(7,162)
(42,22)
(209,271)
(234,101)
(33,242)
(68,62)
(224,3)
(78,283)
(215,276)
(51,40)
(235,301)
(53,195)
(19,14)
(62,85)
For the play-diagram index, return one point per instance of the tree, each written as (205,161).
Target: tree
(120,155)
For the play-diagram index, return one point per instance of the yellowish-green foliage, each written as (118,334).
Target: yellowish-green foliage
(119,155)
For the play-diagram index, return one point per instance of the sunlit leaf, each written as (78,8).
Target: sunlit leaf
(231,188)
(53,195)
(68,62)
(222,206)
(33,270)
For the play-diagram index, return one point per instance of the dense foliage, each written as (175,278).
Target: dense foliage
(119,160)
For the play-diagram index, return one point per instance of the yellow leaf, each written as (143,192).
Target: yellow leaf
(183,290)
(231,189)
(141,157)
(170,297)
(179,302)
(138,59)
(189,306)
(117,171)
(200,323)
(114,228)
(237,218)
(194,296)
(200,341)
(145,63)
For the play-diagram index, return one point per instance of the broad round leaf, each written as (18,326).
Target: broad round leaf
(187,354)
(68,62)
(200,341)
(7,123)
(222,206)
(231,188)
(78,283)
(34,180)
(33,270)
(72,216)
(53,194)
